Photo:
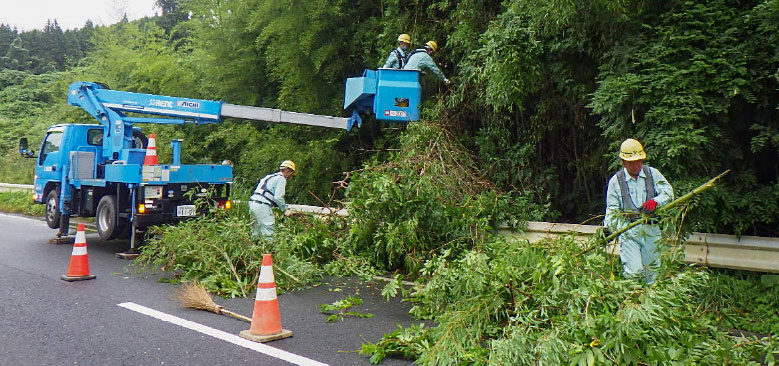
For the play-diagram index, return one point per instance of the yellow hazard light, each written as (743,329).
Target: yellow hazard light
(228,204)
(141,208)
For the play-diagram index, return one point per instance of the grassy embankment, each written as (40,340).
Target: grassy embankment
(19,202)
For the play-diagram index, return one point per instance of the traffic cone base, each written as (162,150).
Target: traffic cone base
(266,318)
(77,278)
(265,338)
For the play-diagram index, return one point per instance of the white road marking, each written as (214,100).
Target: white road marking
(216,333)
(73,225)
(21,217)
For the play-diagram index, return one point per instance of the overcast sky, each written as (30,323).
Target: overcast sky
(31,14)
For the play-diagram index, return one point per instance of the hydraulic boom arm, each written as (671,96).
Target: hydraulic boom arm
(98,100)
(109,108)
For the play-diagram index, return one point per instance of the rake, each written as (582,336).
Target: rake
(193,295)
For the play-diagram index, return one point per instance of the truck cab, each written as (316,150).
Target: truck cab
(52,163)
(73,177)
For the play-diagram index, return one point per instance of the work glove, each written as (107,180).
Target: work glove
(649,205)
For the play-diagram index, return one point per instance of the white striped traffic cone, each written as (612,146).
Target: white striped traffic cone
(151,151)
(78,269)
(266,318)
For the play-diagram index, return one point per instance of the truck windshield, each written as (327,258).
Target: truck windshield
(95,137)
(51,144)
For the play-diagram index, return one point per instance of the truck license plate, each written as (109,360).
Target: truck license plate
(185,210)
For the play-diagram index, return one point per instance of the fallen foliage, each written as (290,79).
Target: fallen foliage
(517,303)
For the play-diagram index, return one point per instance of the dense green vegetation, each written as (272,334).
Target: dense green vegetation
(19,202)
(547,304)
(43,51)
(491,301)
(543,93)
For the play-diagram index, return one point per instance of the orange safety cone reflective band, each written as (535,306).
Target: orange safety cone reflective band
(151,151)
(78,269)
(266,317)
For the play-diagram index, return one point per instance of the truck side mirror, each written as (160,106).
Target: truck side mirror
(23,146)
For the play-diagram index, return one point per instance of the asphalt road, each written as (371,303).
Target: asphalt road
(47,321)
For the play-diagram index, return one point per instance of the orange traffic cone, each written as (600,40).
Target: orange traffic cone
(151,151)
(78,269)
(266,318)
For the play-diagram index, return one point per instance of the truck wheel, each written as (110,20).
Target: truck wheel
(140,141)
(52,209)
(107,220)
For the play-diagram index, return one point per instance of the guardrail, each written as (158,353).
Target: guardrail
(9,187)
(751,253)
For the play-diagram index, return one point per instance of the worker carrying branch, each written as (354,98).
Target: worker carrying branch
(635,189)
(420,59)
(397,57)
(269,193)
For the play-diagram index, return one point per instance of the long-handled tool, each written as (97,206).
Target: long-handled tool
(194,295)
(643,220)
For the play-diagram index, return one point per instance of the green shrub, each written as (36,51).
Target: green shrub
(20,202)
(220,251)
(742,302)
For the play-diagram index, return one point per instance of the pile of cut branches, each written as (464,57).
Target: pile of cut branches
(547,304)
(430,197)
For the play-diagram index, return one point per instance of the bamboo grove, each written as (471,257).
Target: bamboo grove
(543,90)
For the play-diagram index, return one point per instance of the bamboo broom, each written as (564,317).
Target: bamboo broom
(645,218)
(193,295)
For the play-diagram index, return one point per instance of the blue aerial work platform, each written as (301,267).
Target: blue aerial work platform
(391,94)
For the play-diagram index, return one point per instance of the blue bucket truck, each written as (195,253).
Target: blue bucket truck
(97,170)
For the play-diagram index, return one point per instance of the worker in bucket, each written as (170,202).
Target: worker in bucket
(635,189)
(397,57)
(269,193)
(420,59)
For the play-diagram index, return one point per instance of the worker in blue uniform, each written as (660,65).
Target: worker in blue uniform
(635,189)
(269,193)
(420,59)
(397,58)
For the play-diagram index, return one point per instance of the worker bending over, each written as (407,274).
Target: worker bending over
(420,59)
(635,189)
(269,193)
(397,57)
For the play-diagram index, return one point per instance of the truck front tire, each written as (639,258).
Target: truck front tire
(107,219)
(52,209)
(140,141)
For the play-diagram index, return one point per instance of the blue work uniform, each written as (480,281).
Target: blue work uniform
(638,251)
(396,59)
(420,60)
(269,193)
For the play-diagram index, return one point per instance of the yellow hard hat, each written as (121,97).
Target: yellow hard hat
(432,45)
(289,164)
(631,150)
(404,38)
